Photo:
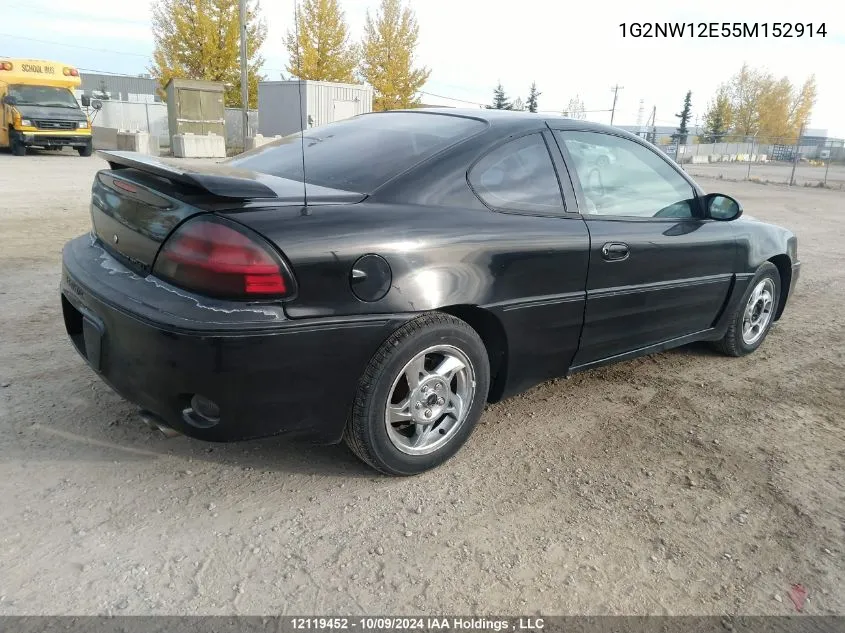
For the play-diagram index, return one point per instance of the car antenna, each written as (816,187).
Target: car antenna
(301,113)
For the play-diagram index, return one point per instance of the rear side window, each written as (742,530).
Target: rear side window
(519,176)
(362,153)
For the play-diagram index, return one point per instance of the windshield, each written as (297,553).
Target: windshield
(361,153)
(43,96)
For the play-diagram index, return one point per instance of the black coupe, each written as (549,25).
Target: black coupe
(384,277)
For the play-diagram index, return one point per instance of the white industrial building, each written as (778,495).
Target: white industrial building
(285,107)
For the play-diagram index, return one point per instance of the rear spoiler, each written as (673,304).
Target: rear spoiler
(229,182)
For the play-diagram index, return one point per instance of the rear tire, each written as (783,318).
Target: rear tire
(751,321)
(86,151)
(420,396)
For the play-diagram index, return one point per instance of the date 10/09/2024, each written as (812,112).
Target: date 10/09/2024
(737,30)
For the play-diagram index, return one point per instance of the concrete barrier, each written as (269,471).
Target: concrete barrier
(104,137)
(699,160)
(198,145)
(258,140)
(134,141)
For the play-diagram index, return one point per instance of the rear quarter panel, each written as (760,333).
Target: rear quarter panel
(446,250)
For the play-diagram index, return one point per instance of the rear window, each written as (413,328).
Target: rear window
(361,153)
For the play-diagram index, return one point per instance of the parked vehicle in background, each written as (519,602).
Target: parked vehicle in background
(385,277)
(39,108)
(600,156)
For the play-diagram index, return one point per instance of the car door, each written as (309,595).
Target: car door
(658,270)
(541,258)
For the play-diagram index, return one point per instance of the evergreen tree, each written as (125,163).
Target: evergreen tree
(718,119)
(685,115)
(387,62)
(532,97)
(322,52)
(500,100)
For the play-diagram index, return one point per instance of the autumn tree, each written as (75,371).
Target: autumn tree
(200,39)
(773,109)
(802,106)
(575,109)
(718,118)
(746,89)
(387,62)
(533,95)
(319,48)
(500,99)
(765,107)
(685,114)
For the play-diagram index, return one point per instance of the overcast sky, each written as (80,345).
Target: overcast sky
(470,45)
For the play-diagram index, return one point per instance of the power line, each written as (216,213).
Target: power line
(88,48)
(45,11)
(431,94)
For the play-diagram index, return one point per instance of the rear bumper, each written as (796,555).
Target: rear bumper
(157,346)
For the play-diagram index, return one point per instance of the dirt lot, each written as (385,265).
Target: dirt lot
(681,483)
(772,173)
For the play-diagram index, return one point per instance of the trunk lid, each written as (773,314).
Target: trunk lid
(138,202)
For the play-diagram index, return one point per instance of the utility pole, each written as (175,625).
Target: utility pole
(753,141)
(244,79)
(795,157)
(653,138)
(615,91)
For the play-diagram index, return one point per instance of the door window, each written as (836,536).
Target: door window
(620,177)
(518,175)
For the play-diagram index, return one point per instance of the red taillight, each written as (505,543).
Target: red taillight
(215,258)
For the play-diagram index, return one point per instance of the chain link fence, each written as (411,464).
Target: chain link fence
(767,160)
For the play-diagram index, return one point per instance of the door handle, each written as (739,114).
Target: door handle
(615,251)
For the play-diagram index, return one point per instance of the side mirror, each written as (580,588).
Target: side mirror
(97,104)
(85,100)
(10,100)
(722,207)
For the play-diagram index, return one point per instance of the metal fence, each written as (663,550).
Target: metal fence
(819,163)
(152,118)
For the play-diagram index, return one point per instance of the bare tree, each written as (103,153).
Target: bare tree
(575,109)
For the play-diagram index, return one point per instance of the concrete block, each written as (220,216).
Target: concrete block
(700,160)
(104,137)
(258,140)
(134,141)
(198,145)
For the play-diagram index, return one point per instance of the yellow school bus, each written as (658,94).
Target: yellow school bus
(39,108)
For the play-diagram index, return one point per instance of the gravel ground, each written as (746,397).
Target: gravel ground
(679,483)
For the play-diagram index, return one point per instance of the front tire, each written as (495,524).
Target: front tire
(18,148)
(754,315)
(85,150)
(420,397)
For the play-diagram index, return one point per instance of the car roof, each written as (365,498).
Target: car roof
(513,118)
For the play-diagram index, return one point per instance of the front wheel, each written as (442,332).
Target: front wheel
(754,315)
(420,397)
(85,150)
(18,148)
